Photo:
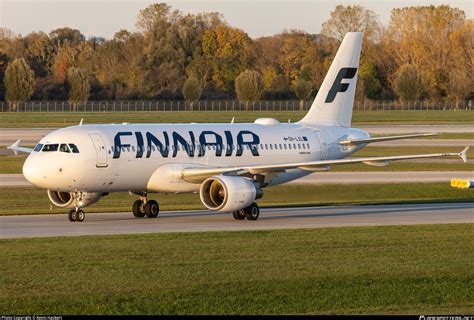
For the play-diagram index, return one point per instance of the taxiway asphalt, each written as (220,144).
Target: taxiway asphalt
(53,225)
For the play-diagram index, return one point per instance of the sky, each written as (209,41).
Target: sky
(257,17)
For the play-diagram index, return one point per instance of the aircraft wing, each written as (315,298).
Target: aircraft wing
(16,148)
(197,175)
(379,139)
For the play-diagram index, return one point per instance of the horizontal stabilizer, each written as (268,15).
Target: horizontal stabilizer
(380,139)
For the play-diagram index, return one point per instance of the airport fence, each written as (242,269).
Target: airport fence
(219,105)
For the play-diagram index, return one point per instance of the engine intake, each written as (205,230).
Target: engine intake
(69,199)
(227,193)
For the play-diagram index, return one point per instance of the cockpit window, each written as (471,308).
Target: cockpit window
(74,148)
(64,148)
(38,147)
(51,147)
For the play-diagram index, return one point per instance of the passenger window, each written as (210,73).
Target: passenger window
(64,148)
(38,147)
(289,146)
(74,148)
(299,146)
(271,148)
(294,146)
(51,147)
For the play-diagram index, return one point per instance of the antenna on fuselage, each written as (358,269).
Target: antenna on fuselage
(232,121)
(80,122)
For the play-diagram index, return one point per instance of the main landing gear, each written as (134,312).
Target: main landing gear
(76,215)
(251,213)
(144,207)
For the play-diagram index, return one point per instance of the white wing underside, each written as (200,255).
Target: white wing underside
(197,175)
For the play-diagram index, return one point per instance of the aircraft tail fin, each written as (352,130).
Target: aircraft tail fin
(334,101)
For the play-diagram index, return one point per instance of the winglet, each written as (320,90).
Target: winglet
(14,146)
(463,153)
(80,122)
(232,121)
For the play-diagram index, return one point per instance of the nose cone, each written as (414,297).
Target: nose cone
(32,171)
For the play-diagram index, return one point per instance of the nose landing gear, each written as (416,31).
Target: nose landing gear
(76,215)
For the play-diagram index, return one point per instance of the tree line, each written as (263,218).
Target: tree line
(425,52)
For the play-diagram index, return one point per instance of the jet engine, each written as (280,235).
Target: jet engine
(73,199)
(227,193)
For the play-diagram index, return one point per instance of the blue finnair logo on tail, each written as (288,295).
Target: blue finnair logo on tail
(147,143)
(338,86)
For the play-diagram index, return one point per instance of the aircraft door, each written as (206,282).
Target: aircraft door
(323,151)
(101,150)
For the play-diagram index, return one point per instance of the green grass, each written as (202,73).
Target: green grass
(33,120)
(424,269)
(286,195)
(11,164)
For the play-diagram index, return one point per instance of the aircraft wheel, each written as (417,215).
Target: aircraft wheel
(80,215)
(239,214)
(138,209)
(252,212)
(72,215)
(152,209)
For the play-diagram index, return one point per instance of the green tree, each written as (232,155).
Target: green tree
(409,83)
(293,52)
(64,60)
(3,66)
(152,15)
(40,53)
(249,87)
(420,36)
(302,90)
(352,18)
(192,91)
(230,52)
(62,35)
(79,86)
(368,75)
(19,81)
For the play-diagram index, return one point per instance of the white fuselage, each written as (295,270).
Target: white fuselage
(150,157)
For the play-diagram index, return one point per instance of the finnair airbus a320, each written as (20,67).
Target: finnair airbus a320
(229,164)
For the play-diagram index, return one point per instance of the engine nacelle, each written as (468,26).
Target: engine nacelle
(72,200)
(227,193)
